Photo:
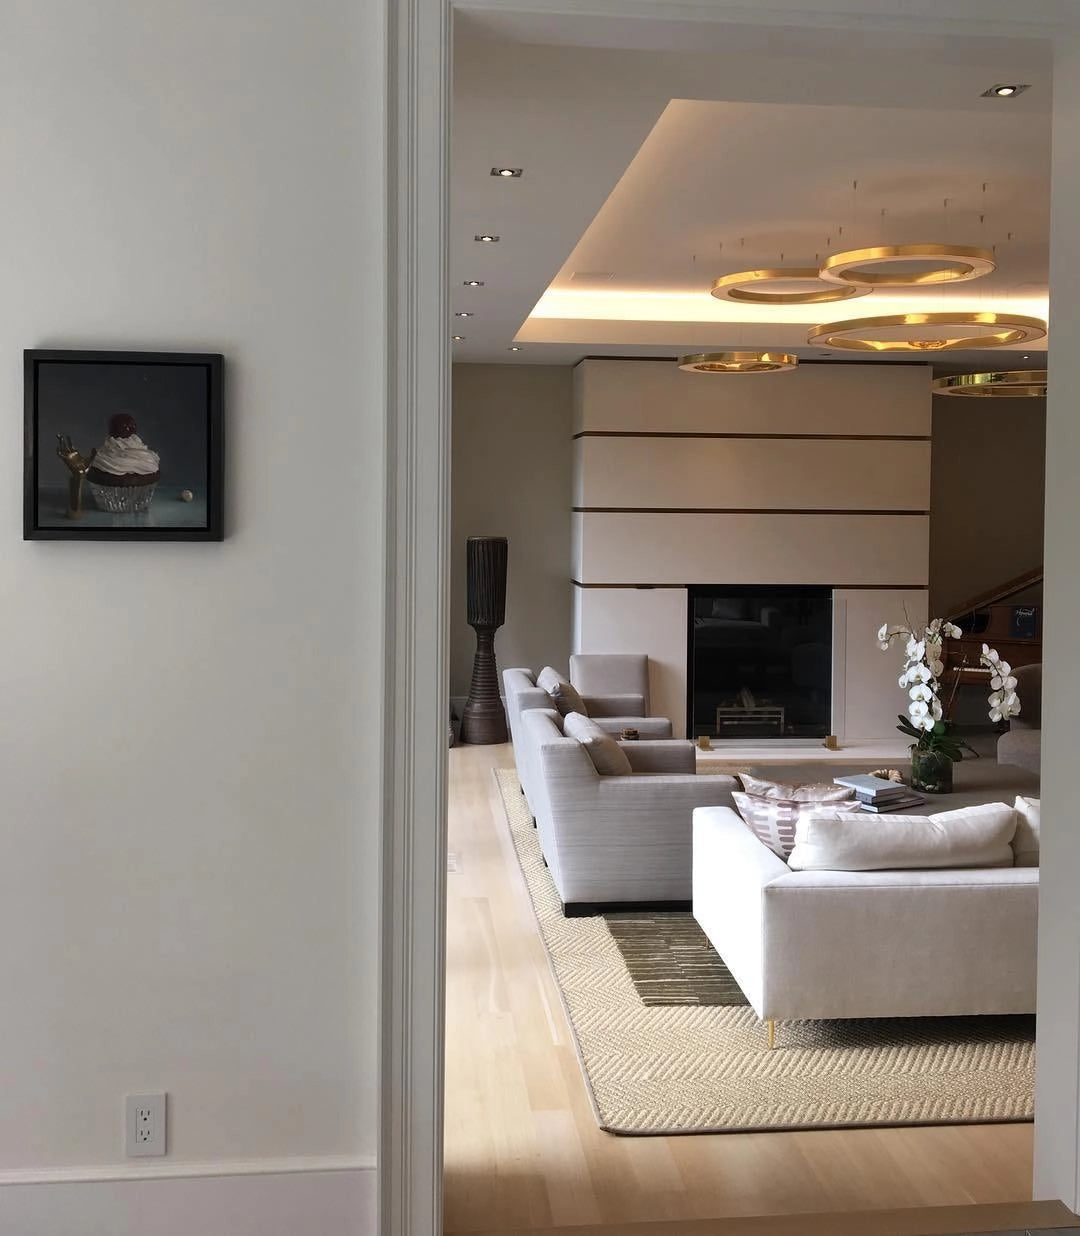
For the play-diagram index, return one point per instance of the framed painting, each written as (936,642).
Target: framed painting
(123,446)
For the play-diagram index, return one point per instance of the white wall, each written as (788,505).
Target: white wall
(511,477)
(1057,1148)
(188,850)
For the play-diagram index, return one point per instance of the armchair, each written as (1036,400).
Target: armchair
(615,842)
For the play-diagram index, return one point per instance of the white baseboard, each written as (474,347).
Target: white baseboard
(331,1197)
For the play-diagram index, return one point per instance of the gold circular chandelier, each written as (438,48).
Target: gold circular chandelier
(928,332)
(933,264)
(1012,384)
(751,287)
(737,362)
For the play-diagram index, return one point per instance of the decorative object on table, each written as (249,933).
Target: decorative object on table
(704,742)
(123,446)
(936,744)
(889,774)
(832,743)
(483,718)
(629,734)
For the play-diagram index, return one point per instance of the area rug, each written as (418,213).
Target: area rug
(705,1067)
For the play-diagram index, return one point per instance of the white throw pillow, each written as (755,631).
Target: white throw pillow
(857,841)
(1025,843)
(609,759)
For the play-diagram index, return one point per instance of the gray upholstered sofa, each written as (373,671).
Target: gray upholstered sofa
(1022,745)
(614,710)
(612,841)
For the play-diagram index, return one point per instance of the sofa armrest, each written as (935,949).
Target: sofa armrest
(665,755)
(731,871)
(663,796)
(647,727)
(628,704)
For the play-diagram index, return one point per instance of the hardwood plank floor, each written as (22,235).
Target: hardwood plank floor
(522,1148)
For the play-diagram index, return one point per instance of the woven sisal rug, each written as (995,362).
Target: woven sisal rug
(704,1067)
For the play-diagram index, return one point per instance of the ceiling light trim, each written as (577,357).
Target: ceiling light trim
(994,330)
(738,362)
(747,287)
(958,264)
(1008,384)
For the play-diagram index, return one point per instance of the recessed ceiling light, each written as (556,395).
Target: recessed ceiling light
(457,338)
(474,283)
(1004,91)
(463,313)
(513,349)
(486,238)
(507,173)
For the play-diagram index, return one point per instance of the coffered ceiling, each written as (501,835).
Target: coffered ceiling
(648,174)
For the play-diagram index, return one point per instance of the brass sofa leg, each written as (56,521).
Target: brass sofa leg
(771,1026)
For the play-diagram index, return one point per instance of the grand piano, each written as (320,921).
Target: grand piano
(1005,618)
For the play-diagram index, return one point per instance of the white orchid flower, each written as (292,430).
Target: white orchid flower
(1004,668)
(916,649)
(921,692)
(935,708)
(937,668)
(883,634)
(918,708)
(935,626)
(926,723)
(952,630)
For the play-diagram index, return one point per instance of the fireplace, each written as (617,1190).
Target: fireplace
(759,661)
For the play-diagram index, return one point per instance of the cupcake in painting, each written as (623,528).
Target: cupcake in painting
(125,471)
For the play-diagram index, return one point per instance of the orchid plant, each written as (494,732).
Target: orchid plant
(927,722)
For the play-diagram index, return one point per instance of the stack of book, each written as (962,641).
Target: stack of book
(879,794)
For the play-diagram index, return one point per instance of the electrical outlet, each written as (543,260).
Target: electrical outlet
(144,1124)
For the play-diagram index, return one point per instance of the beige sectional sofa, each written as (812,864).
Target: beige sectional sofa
(871,943)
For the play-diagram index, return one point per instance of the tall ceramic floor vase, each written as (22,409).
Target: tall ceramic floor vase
(484,720)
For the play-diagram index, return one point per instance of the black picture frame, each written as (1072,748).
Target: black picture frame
(178,399)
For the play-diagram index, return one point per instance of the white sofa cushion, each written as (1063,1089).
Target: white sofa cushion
(1025,843)
(855,841)
(566,696)
(774,820)
(609,759)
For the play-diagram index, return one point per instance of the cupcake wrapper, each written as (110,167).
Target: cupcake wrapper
(123,499)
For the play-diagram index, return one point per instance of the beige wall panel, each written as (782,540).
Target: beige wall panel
(682,548)
(844,398)
(511,477)
(789,474)
(648,620)
(866,697)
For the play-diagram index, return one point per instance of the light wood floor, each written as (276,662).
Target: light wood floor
(522,1148)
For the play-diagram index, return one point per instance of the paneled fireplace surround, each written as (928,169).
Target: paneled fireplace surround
(814,483)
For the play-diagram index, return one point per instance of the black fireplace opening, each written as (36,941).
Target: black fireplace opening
(759,661)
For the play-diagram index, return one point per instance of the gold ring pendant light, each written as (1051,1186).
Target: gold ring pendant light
(737,362)
(1013,384)
(750,287)
(947,264)
(928,332)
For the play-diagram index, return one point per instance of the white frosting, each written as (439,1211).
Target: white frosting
(124,456)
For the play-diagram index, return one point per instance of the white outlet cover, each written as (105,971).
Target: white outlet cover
(144,1125)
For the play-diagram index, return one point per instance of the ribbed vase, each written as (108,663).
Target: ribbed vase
(484,720)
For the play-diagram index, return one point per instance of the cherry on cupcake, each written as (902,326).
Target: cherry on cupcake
(122,425)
